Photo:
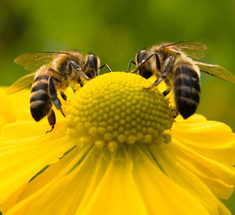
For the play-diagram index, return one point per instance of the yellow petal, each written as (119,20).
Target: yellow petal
(160,193)
(210,138)
(24,158)
(186,178)
(63,184)
(25,129)
(116,193)
(218,177)
(15,108)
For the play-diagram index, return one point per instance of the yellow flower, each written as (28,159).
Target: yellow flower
(118,151)
(14,107)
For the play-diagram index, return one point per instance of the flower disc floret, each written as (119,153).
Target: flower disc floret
(114,109)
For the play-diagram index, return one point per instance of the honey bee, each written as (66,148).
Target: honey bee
(172,63)
(53,72)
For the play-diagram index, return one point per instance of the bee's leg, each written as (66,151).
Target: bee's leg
(106,65)
(53,95)
(174,112)
(63,95)
(166,92)
(80,82)
(166,70)
(51,119)
(129,65)
(74,64)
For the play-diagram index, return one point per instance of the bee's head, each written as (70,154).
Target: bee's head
(140,56)
(93,63)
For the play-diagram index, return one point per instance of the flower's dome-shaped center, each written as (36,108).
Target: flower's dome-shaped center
(114,109)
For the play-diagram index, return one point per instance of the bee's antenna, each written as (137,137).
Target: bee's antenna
(129,65)
(110,70)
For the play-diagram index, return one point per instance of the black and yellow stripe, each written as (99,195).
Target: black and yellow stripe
(186,84)
(40,102)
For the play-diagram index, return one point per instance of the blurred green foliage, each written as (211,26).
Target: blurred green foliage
(115,30)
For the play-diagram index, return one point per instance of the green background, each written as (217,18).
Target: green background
(115,30)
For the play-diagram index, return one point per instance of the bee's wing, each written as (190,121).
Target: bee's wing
(32,61)
(216,70)
(192,49)
(21,83)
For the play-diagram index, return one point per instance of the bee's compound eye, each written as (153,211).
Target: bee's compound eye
(92,60)
(92,57)
(141,56)
(93,65)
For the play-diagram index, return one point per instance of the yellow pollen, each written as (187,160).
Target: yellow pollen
(114,109)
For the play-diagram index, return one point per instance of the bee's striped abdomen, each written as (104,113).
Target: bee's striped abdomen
(186,89)
(40,102)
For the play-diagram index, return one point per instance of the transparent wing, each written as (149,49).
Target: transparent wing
(192,49)
(216,70)
(32,61)
(21,83)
